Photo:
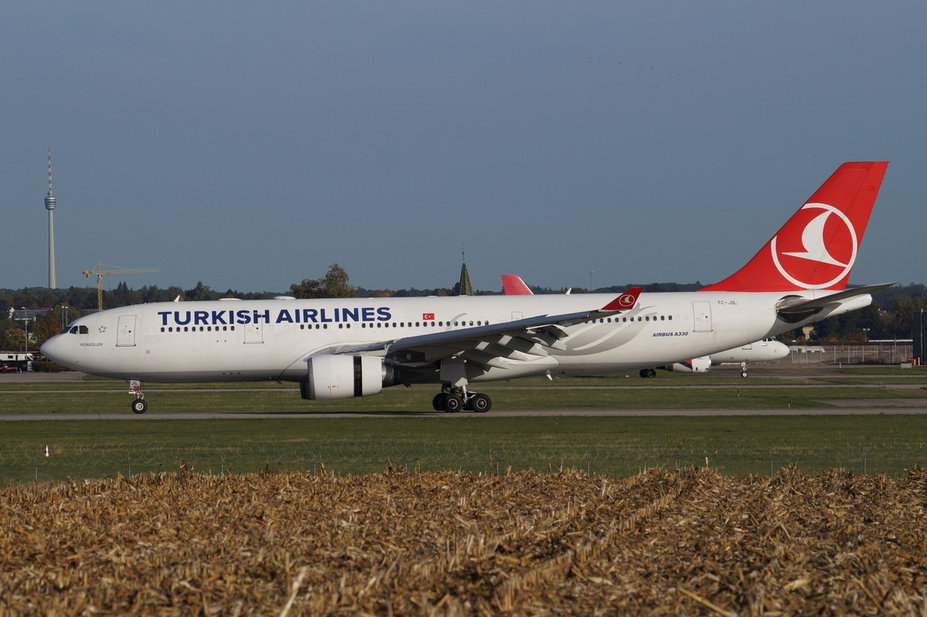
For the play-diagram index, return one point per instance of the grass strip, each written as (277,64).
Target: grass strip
(598,445)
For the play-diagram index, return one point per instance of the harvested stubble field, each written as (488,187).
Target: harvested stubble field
(691,542)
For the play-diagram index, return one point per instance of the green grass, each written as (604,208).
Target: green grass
(601,445)
(470,442)
(111,399)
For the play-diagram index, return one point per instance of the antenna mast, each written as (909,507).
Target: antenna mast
(50,203)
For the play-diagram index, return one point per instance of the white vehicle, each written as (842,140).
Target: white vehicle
(342,348)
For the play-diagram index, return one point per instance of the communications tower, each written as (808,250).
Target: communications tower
(50,203)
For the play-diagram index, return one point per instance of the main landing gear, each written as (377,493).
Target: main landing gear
(453,400)
(138,405)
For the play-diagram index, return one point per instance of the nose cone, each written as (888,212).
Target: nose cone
(53,349)
(780,350)
(48,347)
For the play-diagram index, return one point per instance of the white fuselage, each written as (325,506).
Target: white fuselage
(237,340)
(759,351)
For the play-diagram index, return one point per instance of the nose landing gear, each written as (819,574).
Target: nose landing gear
(138,405)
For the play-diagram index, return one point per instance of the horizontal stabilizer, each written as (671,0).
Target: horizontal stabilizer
(794,308)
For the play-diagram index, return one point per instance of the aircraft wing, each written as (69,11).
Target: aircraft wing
(796,308)
(517,339)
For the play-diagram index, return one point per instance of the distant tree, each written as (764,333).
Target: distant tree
(46,327)
(151,294)
(11,338)
(83,298)
(122,296)
(200,292)
(333,285)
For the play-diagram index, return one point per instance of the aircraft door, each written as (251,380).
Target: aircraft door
(125,332)
(701,312)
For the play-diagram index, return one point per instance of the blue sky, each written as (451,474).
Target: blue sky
(251,145)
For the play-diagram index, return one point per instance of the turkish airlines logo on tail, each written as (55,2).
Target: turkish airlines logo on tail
(824,251)
(627,300)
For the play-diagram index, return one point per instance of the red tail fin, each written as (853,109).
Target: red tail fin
(817,247)
(512,285)
(624,302)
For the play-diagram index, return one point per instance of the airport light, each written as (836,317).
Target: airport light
(25,318)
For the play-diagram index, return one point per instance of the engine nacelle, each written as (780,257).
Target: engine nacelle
(335,377)
(695,365)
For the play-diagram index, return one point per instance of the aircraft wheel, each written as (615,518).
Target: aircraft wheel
(648,372)
(438,402)
(139,405)
(480,403)
(453,404)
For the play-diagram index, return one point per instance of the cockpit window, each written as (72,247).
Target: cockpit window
(78,330)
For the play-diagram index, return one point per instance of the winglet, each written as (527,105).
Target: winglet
(817,247)
(512,285)
(624,302)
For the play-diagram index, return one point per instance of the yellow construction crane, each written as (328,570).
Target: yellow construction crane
(100,272)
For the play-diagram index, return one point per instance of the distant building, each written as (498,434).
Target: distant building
(919,334)
(466,289)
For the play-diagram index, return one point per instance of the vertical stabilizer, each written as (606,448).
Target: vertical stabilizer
(817,247)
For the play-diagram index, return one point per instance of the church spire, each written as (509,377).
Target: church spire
(466,289)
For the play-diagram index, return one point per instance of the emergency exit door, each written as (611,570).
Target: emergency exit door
(701,313)
(125,334)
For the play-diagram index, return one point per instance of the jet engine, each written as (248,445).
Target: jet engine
(336,376)
(695,365)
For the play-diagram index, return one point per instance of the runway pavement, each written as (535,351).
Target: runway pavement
(540,413)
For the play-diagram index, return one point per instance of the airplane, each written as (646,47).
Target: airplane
(350,347)
(760,351)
